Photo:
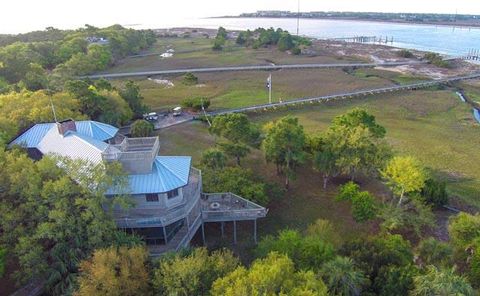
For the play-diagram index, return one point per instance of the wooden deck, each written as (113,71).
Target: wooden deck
(218,207)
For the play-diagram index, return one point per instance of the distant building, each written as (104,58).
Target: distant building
(97,40)
(170,206)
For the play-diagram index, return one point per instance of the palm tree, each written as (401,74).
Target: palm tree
(440,282)
(342,277)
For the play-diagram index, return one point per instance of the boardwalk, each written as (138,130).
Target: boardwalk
(348,95)
(252,68)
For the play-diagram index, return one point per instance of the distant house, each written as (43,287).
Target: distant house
(170,205)
(97,40)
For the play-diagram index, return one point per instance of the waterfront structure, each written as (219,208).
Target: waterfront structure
(170,206)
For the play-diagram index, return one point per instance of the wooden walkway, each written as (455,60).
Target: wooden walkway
(250,68)
(368,92)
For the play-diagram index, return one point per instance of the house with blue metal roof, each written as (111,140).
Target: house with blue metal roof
(167,191)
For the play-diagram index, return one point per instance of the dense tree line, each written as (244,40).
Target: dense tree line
(315,262)
(45,59)
(261,37)
(51,222)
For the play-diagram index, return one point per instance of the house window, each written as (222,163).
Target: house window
(151,197)
(172,193)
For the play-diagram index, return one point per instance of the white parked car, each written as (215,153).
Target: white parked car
(153,116)
(177,111)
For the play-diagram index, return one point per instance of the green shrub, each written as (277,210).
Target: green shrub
(435,192)
(363,207)
(404,53)
(296,50)
(436,59)
(196,103)
(433,252)
(189,79)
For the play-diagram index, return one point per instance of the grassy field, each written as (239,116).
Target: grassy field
(239,89)
(394,77)
(433,126)
(197,52)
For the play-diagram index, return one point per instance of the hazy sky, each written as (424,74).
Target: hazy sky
(26,15)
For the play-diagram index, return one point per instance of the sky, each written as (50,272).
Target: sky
(17,16)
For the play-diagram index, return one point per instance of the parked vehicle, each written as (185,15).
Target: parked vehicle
(153,116)
(177,111)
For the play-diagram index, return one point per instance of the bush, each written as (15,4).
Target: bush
(435,192)
(363,203)
(433,252)
(296,50)
(141,128)
(190,79)
(363,207)
(196,103)
(307,252)
(436,59)
(404,53)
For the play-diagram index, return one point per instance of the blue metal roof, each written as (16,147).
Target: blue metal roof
(168,173)
(96,130)
(33,136)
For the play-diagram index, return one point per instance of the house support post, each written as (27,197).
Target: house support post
(203,233)
(222,224)
(165,234)
(234,232)
(255,231)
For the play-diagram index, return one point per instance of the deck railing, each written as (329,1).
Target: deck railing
(230,207)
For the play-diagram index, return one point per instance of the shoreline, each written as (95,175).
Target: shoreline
(443,24)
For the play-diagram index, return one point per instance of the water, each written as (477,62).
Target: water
(476,114)
(443,39)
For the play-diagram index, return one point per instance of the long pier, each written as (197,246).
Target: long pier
(251,68)
(364,39)
(349,95)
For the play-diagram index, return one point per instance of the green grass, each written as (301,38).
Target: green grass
(394,77)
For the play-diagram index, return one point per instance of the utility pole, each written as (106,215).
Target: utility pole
(298,17)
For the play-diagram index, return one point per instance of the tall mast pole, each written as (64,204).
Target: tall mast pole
(298,17)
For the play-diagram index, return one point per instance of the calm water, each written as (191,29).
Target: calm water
(442,39)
